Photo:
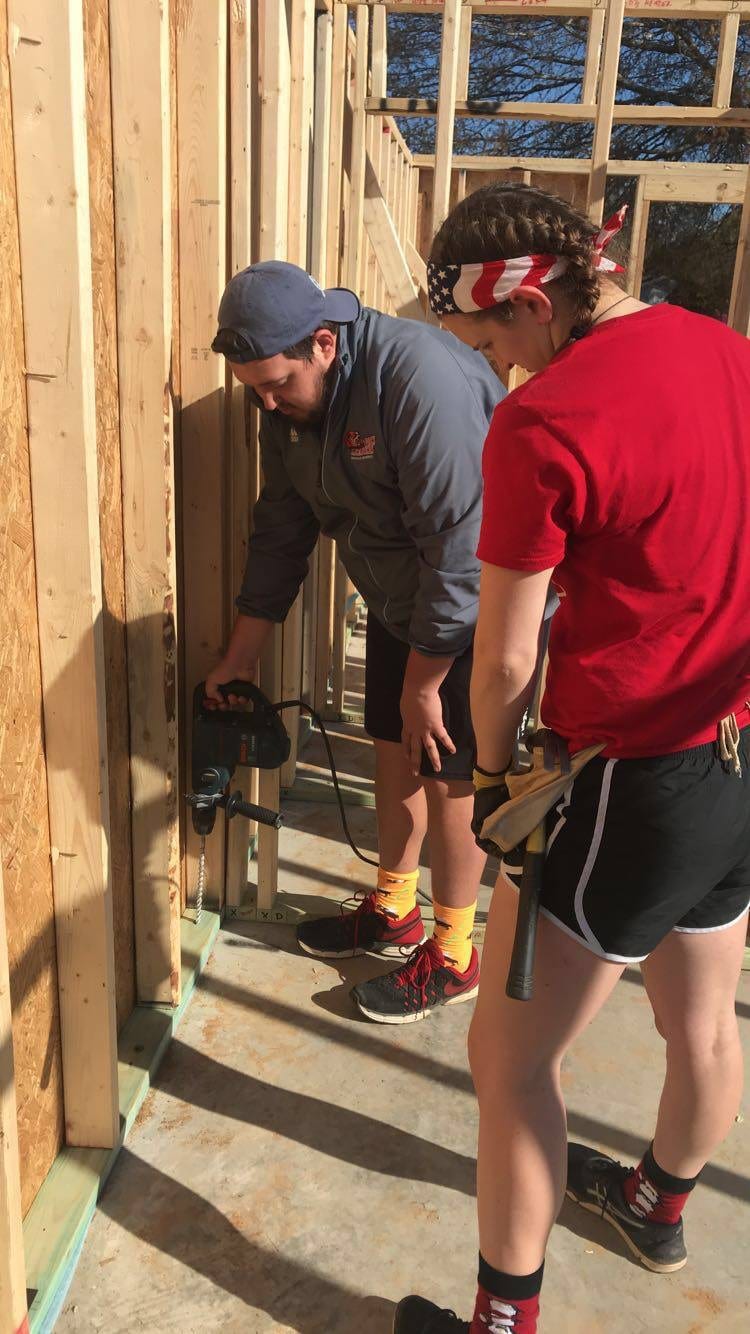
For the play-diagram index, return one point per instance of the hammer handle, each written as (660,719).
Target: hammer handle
(520,983)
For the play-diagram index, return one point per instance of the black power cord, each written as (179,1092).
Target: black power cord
(300,704)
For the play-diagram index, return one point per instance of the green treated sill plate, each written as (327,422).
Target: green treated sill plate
(57,1222)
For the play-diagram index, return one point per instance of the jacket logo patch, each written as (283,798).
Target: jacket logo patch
(359,446)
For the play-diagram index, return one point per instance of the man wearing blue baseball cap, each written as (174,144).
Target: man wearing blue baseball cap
(371,432)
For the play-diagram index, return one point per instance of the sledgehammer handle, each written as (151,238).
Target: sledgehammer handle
(520,983)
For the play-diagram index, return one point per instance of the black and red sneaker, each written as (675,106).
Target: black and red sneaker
(595,1181)
(415,1315)
(411,992)
(366,930)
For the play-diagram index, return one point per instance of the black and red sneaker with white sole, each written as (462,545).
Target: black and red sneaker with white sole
(422,984)
(596,1181)
(366,930)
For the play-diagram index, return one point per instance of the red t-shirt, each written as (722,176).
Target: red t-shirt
(625,465)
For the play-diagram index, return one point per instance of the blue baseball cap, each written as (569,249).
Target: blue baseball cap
(273,305)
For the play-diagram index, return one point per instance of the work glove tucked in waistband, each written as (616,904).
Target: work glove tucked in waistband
(490,792)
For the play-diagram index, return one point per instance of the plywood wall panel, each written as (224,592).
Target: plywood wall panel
(24,830)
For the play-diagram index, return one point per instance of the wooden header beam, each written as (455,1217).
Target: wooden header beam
(656,9)
(581,166)
(625,113)
(678,182)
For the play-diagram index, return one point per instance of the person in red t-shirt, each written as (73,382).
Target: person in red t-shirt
(620,473)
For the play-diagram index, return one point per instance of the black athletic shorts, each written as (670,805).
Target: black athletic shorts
(385,666)
(638,848)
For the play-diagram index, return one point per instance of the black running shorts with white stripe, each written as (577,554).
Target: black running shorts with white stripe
(638,848)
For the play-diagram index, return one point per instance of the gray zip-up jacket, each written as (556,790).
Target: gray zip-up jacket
(393,476)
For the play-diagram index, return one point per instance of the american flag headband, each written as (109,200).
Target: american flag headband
(460,289)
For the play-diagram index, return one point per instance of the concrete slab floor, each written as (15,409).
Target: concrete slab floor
(297,1170)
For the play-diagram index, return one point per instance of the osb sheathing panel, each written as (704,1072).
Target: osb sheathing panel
(99,129)
(24,831)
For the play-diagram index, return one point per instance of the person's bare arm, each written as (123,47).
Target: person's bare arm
(511,607)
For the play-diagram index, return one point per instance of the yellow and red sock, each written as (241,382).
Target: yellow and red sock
(396,893)
(453,928)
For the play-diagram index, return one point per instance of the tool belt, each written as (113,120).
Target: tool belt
(534,791)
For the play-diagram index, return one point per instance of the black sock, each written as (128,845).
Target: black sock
(664,1181)
(513,1287)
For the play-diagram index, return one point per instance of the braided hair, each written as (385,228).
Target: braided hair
(502,221)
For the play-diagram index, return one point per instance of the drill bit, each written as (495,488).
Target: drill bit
(201,880)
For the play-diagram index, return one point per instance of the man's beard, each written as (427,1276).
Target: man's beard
(315,416)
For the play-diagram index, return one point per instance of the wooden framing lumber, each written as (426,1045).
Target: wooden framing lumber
(322,235)
(638,241)
(340,591)
(301,98)
(417,265)
(727,54)
(591,67)
(301,103)
(377,138)
(111,536)
(353,256)
(462,82)
(310,588)
(48,97)
(581,166)
(336,159)
(395,204)
(400,140)
(663,9)
(413,204)
(391,258)
(202,157)
(605,108)
(739,304)
(240,37)
(450,49)
(12,1266)
(275,99)
(321,145)
(403,220)
(319,268)
(143,179)
(625,113)
(693,188)
(323,646)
